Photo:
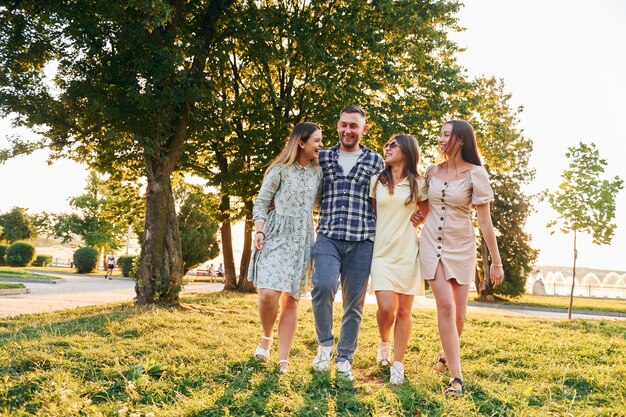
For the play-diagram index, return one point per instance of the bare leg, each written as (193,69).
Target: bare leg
(445,297)
(402,328)
(268,310)
(287,324)
(386,313)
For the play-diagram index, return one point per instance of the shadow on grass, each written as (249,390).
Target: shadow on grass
(237,380)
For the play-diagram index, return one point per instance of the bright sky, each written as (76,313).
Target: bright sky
(561,59)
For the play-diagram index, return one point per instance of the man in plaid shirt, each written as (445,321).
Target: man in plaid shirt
(345,240)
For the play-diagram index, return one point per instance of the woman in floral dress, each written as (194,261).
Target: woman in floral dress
(281,262)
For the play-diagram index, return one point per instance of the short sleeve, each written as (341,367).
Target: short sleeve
(481,189)
(262,202)
(422,189)
(373,181)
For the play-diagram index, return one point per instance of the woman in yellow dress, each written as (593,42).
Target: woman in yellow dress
(395,273)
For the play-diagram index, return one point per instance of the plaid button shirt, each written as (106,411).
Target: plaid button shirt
(346,208)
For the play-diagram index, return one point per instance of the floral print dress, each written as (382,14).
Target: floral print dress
(286,261)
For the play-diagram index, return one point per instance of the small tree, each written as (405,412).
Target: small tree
(585,202)
(16,225)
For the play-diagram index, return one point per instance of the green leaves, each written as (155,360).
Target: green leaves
(585,201)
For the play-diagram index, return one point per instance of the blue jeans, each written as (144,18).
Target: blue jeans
(349,263)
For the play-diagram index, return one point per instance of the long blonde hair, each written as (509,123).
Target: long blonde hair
(290,152)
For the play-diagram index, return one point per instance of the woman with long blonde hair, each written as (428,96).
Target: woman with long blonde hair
(283,243)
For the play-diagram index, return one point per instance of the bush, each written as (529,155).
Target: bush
(128,263)
(85,259)
(42,260)
(20,254)
(3,254)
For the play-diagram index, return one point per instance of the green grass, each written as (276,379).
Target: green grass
(550,301)
(10,286)
(196,361)
(21,273)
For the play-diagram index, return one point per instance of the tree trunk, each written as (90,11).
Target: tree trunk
(243,284)
(230,276)
(571,294)
(160,267)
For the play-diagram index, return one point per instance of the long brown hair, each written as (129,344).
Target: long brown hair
(290,152)
(411,150)
(463,132)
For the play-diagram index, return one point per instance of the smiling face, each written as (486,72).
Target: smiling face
(351,128)
(449,145)
(393,153)
(311,148)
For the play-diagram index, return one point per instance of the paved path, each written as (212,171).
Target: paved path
(85,290)
(77,291)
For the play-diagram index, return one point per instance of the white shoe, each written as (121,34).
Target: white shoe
(383,358)
(283,366)
(344,371)
(321,362)
(397,373)
(262,353)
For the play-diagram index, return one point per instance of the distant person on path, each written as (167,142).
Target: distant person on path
(220,271)
(212,271)
(343,249)
(396,193)
(448,239)
(110,265)
(283,243)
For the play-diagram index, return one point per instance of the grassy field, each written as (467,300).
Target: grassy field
(196,361)
(552,301)
(9,286)
(21,273)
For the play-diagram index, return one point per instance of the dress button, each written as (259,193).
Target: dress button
(438,247)
(438,256)
(443,208)
(441,218)
(440,228)
(445,183)
(439,238)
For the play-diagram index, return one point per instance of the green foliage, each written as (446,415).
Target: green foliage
(105,359)
(16,225)
(3,253)
(197,225)
(584,201)
(128,264)
(93,223)
(20,254)
(85,259)
(42,260)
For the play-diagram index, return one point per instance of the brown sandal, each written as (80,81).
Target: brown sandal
(455,388)
(440,365)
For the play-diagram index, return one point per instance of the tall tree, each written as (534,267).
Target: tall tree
(285,62)
(16,225)
(506,152)
(584,201)
(128,77)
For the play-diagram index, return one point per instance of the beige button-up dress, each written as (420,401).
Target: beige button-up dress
(448,235)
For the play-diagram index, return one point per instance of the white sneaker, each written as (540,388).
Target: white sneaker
(344,371)
(397,373)
(321,362)
(383,358)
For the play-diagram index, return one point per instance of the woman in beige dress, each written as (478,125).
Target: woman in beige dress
(448,240)
(395,265)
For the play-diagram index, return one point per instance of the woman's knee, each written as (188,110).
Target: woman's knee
(386,312)
(268,296)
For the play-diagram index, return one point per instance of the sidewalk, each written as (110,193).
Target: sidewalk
(87,290)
